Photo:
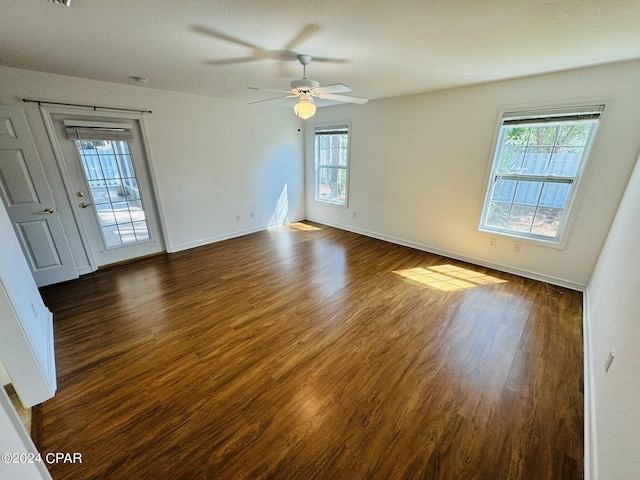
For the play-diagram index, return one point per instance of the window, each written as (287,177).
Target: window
(108,168)
(538,161)
(114,190)
(332,162)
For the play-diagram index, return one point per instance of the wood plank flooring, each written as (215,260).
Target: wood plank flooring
(300,354)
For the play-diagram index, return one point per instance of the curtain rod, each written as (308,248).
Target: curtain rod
(94,107)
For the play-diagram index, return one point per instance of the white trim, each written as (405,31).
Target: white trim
(219,238)
(155,193)
(590,441)
(50,372)
(446,253)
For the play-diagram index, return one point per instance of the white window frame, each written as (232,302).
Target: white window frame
(539,117)
(326,129)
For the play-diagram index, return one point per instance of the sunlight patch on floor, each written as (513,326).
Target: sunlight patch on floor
(293,226)
(447,277)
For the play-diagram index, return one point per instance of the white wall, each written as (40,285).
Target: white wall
(612,305)
(213,159)
(15,439)
(419,168)
(26,341)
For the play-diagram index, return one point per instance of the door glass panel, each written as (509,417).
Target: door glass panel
(114,191)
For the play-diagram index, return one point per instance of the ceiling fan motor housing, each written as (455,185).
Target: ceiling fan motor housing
(304,85)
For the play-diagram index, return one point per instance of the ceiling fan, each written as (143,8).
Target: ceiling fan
(305,89)
(256,53)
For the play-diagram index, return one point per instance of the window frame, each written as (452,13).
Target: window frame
(319,129)
(542,117)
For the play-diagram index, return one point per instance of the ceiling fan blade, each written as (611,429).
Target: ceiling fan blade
(333,88)
(265,100)
(223,36)
(269,99)
(232,61)
(330,60)
(306,32)
(344,98)
(268,90)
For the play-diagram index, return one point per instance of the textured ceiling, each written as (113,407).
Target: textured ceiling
(391,48)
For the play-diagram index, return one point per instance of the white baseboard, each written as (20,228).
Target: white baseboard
(445,253)
(590,453)
(220,238)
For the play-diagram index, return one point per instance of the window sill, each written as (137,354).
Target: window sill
(329,202)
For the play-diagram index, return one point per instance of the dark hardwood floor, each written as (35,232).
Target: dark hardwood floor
(303,354)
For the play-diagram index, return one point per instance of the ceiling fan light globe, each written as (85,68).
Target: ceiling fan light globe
(305,108)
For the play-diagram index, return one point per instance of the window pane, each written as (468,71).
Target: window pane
(521,218)
(555,194)
(511,159)
(536,160)
(528,193)
(575,133)
(111,236)
(141,231)
(547,221)
(130,188)
(504,190)
(565,161)
(121,211)
(115,193)
(498,215)
(99,193)
(516,135)
(105,214)
(332,150)
(332,184)
(543,135)
(127,233)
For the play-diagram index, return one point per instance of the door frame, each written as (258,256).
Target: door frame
(47,113)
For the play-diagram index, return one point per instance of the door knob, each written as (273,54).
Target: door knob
(46,211)
(79,194)
(84,205)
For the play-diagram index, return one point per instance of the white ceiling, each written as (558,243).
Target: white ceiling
(392,48)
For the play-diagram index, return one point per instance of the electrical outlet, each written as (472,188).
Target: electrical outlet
(516,248)
(492,242)
(237,218)
(354,214)
(253,215)
(609,361)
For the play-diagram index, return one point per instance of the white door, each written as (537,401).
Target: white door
(110,186)
(27,197)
